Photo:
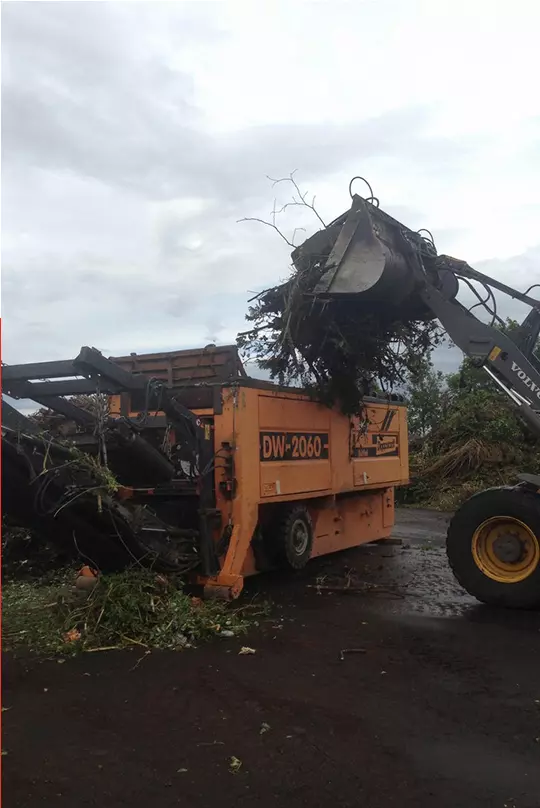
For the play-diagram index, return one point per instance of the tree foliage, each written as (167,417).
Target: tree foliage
(465,436)
(427,399)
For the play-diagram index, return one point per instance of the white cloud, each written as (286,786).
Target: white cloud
(135,135)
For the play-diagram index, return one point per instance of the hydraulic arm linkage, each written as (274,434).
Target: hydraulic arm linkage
(511,364)
(380,262)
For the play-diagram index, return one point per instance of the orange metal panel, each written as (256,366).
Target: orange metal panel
(282,479)
(299,429)
(371,471)
(291,411)
(362,452)
(388,508)
(348,522)
(238,426)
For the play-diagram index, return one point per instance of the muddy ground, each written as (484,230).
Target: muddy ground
(440,707)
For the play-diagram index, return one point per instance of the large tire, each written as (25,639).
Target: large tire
(493,546)
(295,537)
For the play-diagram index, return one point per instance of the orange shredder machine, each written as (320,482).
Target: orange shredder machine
(292,479)
(193,467)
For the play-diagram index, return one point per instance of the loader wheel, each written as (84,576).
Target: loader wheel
(493,546)
(295,537)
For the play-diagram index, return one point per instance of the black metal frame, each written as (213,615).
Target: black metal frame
(101,374)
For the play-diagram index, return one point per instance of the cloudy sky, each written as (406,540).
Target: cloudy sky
(135,135)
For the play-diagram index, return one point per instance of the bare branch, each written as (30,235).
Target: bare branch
(268,224)
(301,202)
(282,179)
(303,196)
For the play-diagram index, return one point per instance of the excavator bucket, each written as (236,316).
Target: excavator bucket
(371,257)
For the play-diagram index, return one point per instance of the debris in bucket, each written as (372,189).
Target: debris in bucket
(343,348)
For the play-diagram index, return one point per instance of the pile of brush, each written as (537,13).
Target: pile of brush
(341,348)
(136,608)
(478,443)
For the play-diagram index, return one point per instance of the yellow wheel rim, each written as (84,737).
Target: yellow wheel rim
(505,549)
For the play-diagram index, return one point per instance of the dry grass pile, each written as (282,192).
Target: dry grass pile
(448,467)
